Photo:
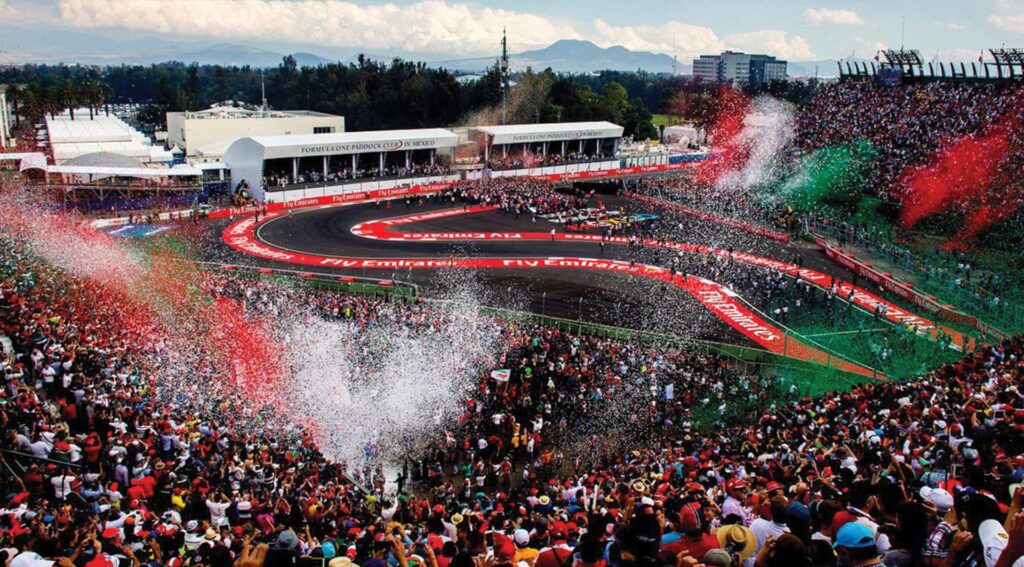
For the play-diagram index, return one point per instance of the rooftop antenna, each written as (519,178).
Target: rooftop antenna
(503,69)
(263,95)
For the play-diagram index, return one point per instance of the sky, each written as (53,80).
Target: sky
(791,29)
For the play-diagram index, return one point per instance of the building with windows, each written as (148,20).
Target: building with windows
(739,68)
(287,168)
(204,135)
(706,68)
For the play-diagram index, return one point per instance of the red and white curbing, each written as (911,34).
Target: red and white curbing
(720,300)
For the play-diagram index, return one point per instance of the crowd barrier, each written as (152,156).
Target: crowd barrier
(725,221)
(748,359)
(905,290)
(287,202)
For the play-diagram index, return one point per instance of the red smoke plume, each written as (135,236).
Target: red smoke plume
(728,154)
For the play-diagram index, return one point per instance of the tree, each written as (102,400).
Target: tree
(615,102)
(68,96)
(92,95)
(636,121)
(677,106)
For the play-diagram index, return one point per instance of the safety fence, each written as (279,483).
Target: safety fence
(808,378)
(1006,313)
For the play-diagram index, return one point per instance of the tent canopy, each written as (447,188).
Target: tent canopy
(124,171)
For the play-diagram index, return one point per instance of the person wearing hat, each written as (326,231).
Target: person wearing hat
(558,554)
(524,551)
(717,558)
(736,489)
(764,529)
(692,537)
(936,547)
(738,540)
(855,546)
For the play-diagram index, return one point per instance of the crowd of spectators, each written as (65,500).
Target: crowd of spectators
(525,161)
(521,196)
(284,179)
(908,125)
(585,453)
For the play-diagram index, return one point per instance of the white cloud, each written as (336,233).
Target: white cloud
(771,42)
(1008,15)
(673,38)
(425,26)
(819,16)
(950,26)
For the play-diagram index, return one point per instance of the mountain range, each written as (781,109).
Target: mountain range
(23,45)
(575,56)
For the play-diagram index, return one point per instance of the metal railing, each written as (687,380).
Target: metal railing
(360,284)
(941,282)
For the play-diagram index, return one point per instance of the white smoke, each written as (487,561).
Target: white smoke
(378,391)
(767,135)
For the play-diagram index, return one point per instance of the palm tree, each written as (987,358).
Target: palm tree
(106,92)
(69,96)
(91,95)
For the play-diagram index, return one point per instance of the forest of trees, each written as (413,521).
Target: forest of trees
(373,95)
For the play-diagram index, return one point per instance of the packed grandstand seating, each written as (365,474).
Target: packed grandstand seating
(522,161)
(908,124)
(99,472)
(311,176)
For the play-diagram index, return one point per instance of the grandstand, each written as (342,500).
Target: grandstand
(441,347)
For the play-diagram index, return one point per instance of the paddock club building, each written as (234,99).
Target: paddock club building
(292,167)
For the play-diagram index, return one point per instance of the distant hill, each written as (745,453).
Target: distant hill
(31,45)
(234,54)
(310,59)
(574,56)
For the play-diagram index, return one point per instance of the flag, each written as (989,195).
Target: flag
(876,56)
(981,58)
(501,376)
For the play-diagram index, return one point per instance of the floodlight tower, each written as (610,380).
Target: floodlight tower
(503,69)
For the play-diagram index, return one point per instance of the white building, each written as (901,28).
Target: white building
(705,67)
(739,68)
(101,133)
(580,141)
(204,135)
(273,165)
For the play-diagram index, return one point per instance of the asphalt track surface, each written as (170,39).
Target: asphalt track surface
(609,298)
(600,296)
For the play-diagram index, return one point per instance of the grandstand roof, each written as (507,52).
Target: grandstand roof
(65,152)
(101,128)
(104,159)
(524,133)
(306,145)
(125,171)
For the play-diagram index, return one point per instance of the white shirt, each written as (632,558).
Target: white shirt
(217,512)
(764,529)
(62,485)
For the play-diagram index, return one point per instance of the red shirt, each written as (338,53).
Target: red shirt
(697,547)
(558,556)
